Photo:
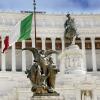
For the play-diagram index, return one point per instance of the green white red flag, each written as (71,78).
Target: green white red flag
(20,32)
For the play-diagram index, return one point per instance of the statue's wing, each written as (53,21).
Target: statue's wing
(33,50)
(49,52)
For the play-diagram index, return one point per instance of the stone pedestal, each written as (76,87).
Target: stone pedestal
(47,98)
(73,60)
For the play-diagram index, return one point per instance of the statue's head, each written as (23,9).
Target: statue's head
(68,15)
(41,52)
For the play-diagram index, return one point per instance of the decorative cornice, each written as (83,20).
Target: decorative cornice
(53,24)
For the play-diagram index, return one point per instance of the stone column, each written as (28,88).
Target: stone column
(53,48)
(3,67)
(43,43)
(83,51)
(33,42)
(93,54)
(62,66)
(62,61)
(23,57)
(63,43)
(13,58)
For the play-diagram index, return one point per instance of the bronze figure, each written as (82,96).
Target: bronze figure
(70,29)
(42,73)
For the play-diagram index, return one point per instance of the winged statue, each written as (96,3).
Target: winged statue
(42,72)
(39,58)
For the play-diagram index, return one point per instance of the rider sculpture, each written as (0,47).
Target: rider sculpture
(70,29)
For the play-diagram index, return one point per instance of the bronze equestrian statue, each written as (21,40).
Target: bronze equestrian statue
(70,29)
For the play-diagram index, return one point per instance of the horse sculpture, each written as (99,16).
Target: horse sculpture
(70,29)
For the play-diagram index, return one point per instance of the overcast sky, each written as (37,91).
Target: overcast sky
(52,5)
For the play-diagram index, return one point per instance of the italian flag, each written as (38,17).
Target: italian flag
(21,31)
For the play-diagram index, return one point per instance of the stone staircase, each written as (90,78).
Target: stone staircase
(13,85)
(9,95)
(16,86)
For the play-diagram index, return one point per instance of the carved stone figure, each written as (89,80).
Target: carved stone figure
(42,74)
(86,95)
(70,29)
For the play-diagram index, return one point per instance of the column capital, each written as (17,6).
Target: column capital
(53,38)
(43,37)
(82,38)
(62,38)
(32,35)
(92,38)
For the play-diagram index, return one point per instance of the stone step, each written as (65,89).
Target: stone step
(47,98)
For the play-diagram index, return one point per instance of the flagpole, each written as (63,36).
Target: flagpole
(34,5)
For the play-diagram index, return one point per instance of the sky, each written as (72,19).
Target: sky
(51,5)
